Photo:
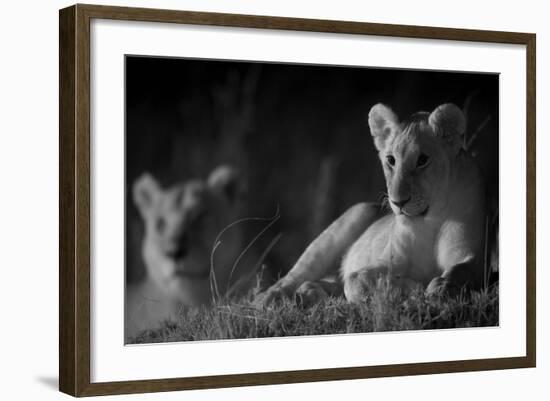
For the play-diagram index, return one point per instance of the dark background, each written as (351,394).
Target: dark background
(299,134)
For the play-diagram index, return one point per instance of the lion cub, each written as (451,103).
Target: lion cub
(181,226)
(435,234)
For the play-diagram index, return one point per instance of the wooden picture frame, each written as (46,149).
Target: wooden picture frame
(74,203)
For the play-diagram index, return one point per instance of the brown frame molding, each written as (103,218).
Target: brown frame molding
(74,199)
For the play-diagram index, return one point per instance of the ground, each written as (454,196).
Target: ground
(384,310)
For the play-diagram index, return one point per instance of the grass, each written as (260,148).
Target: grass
(385,310)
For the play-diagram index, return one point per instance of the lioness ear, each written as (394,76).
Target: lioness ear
(382,123)
(146,189)
(226,181)
(448,123)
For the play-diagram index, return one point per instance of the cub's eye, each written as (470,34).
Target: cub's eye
(160,224)
(422,160)
(391,160)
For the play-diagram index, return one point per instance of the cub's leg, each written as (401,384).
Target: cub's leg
(322,257)
(458,255)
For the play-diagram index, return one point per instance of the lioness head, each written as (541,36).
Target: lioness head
(417,155)
(181,225)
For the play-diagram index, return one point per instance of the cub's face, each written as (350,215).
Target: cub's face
(182,223)
(417,155)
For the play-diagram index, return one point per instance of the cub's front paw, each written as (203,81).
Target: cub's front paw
(441,286)
(273,294)
(309,293)
(437,287)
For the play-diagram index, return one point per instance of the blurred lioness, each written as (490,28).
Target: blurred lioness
(184,265)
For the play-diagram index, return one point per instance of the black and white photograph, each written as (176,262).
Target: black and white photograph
(276,199)
(271,201)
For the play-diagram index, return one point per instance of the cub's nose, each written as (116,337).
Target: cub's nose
(400,203)
(181,249)
(180,252)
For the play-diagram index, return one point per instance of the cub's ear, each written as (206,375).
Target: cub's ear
(227,181)
(448,123)
(146,190)
(383,122)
